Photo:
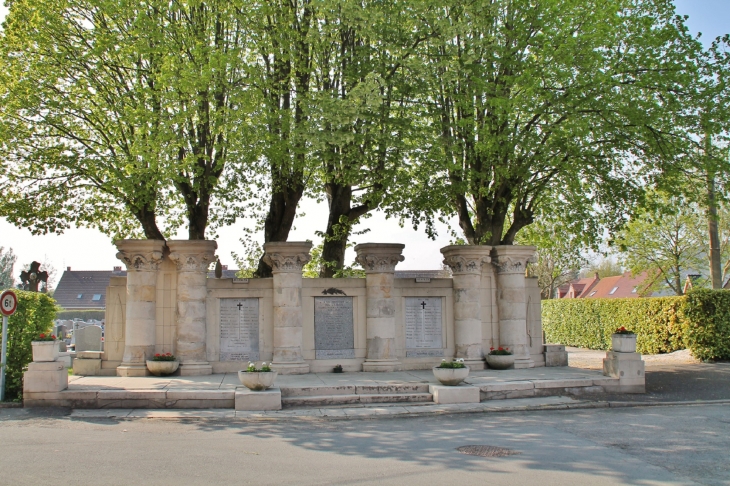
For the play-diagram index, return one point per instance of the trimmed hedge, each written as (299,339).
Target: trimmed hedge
(589,323)
(35,315)
(699,321)
(83,314)
(707,326)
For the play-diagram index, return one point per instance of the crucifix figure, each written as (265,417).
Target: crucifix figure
(423,305)
(33,277)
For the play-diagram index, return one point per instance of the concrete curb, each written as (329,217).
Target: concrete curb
(11,405)
(375,413)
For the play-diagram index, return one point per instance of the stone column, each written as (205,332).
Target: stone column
(379,261)
(466,266)
(142,258)
(192,258)
(510,262)
(286,260)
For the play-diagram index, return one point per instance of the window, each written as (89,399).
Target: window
(96,297)
(592,294)
(79,296)
(613,291)
(636,289)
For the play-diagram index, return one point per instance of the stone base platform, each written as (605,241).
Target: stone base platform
(347,390)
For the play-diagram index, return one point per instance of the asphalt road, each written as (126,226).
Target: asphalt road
(653,445)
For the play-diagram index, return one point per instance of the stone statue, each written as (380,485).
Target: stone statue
(33,277)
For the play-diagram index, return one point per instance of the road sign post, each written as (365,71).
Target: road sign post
(8,305)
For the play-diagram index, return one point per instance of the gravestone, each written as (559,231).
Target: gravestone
(424,334)
(334,333)
(239,329)
(88,339)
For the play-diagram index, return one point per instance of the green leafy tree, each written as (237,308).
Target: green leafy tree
(114,114)
(663,241)
(559,255)
(571,97)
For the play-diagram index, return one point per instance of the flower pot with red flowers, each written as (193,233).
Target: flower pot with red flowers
(45,348)
(500,359)
(163,364)
(623,340)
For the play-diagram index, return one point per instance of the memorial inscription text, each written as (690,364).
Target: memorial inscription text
(423,327)
(239,329)
(334,333)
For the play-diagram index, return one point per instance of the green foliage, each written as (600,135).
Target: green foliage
(453,365)
(559,254)
(663,240)
(588,323)
(532,103)
(35,315)
(708,323)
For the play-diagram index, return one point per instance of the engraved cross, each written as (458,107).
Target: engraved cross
(423,304)
(239,306)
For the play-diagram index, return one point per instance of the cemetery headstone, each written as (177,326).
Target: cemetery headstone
(88,339)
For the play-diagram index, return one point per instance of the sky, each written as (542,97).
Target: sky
(88,249)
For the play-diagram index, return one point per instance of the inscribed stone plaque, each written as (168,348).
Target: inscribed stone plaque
(239,327)
(423,327)
(334,333)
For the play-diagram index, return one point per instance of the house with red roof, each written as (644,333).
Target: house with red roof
(616,287)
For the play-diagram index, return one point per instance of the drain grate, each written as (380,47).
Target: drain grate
(487,451)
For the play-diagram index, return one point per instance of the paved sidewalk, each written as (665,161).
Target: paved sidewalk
(230,380)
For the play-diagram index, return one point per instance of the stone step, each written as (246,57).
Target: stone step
(305,391)
(333,400)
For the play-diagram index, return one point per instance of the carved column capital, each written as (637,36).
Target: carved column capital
(192,255)
(466,259)
(140,255)
(379,257)
(287,256)
(510,259)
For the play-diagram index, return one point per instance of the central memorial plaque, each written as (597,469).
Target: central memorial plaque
(423,327)
(334,333)
(239,328)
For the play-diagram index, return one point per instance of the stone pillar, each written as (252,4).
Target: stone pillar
(379,261)
(286,260)
(142,258)
(466,266)
(510,262)
(192,258)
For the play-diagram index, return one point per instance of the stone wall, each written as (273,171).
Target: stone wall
(241,312)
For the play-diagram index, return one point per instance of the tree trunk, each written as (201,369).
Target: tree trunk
(280,218)
(712,227)
(339,198)
(197,221)
(148,220)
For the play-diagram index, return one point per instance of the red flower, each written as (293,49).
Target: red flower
(157,355)
(501,348)
(43,335)
(491,349)
(53,336)
(168,354)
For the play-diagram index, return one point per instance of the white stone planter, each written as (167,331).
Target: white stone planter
(450,376)
(501,361)
(162,368)
(45,351)
(257,380)
(623,343)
